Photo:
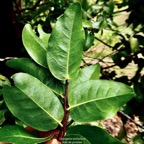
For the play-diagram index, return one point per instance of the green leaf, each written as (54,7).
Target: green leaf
(89,40)
(29,66)
(33,102)
(97,99)
(91,72)
(2,116)
(86,23)
(110,8)
(93,134)
(35,47)
(42,35)
(134,44)
(138,139)
(4,81)
(85,4)
(64,53)
(74,139)
(139,90)
(18,135)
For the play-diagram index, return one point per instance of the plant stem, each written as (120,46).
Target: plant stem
(66,114)
(103,42)
(128,117)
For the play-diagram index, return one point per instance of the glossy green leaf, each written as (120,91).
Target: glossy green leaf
(35,47)
(4,81)
(64,53)
(93,134)
(29,66)
(97,99)
(42,35)
(134,44)
(2,116)
(33,102)
(86,23)
(109,9)
(91,72)
(18,135)
(89,40)
(85,4)
(75,139)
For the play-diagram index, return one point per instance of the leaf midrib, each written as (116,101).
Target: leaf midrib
(96,100)
(68,58)
(42,108)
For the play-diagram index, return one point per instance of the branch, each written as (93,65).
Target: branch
(121,11)
(128,117)
(99,60)
(66,114)
(103,42)
(109,66)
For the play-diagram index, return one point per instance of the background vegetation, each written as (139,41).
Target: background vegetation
(115,39)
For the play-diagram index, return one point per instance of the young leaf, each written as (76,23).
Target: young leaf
(29,66)
(74,139)
(93,134)
(4,81)
(65,45)
(18,135)
(97,99)
(33,102)
(35,47)
(87,73)
(42,35)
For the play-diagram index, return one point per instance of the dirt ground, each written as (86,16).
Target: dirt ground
(125,132)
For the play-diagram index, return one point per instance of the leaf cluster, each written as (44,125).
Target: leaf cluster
(51,62)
